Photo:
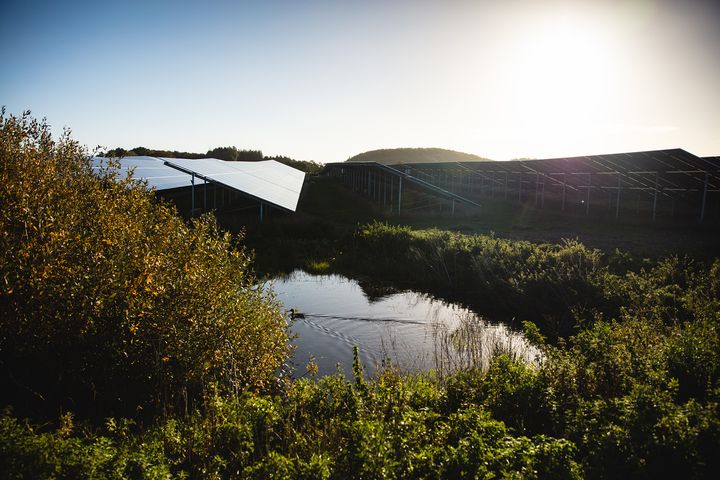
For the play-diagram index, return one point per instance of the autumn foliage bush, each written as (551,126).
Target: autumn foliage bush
(109,301)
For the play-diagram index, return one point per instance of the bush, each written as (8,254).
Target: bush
(109,302)
(67,453)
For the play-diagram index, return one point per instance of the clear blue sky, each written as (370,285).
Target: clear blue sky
(324,80)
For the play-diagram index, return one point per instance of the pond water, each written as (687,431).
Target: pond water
(413,330)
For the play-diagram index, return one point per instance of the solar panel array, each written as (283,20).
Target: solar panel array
(672,182)
(674,170)
(158,175)
(267,181)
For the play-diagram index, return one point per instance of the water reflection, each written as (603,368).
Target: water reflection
(412,329)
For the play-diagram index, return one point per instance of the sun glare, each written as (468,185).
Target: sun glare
(563,78)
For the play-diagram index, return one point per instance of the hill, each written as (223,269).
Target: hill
(394,156)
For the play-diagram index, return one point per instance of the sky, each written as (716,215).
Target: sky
(324,80)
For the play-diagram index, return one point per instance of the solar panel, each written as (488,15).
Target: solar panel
(158,175)
(713,162)
(268,180)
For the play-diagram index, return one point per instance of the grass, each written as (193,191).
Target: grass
(318,266)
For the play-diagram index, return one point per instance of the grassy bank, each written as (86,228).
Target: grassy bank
(558,286)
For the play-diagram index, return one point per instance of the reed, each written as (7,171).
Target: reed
(474,342)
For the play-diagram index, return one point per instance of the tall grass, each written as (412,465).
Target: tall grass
(548,284)
(475,342)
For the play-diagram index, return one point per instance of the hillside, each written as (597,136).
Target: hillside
(393,156)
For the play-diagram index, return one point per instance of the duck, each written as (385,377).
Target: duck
(296,314)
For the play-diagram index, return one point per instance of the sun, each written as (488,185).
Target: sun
(563,76)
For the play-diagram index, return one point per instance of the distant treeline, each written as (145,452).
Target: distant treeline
(307,166)
(394,156)
(232,154)
(142,151)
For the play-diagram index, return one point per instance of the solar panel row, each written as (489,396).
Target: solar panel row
(153,170)
(267,181)
(673,183)
(674,170)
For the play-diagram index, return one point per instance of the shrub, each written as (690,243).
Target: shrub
(67,453)
(109,302)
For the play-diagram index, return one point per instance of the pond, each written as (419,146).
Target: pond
(413,330)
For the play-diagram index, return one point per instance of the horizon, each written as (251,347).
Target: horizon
(325,81)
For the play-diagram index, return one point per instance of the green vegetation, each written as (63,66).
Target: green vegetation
(392,156)
(109,302)
(308,166)
(548,284)
(154,336)
(233,154)
(393,427)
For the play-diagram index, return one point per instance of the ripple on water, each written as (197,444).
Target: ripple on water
(414,330)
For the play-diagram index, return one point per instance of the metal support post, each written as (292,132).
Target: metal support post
(192,200)
(506,185)
(587,203)
(378,193)
(520,188)
(399,194)
(617,199)
(392,193)
(384,190)
(376,186)
(655,197)
(704,197)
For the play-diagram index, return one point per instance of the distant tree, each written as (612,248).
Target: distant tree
(250,156)
(307,166)
(233,154)
(115,153)
(224,153)
(121,152)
